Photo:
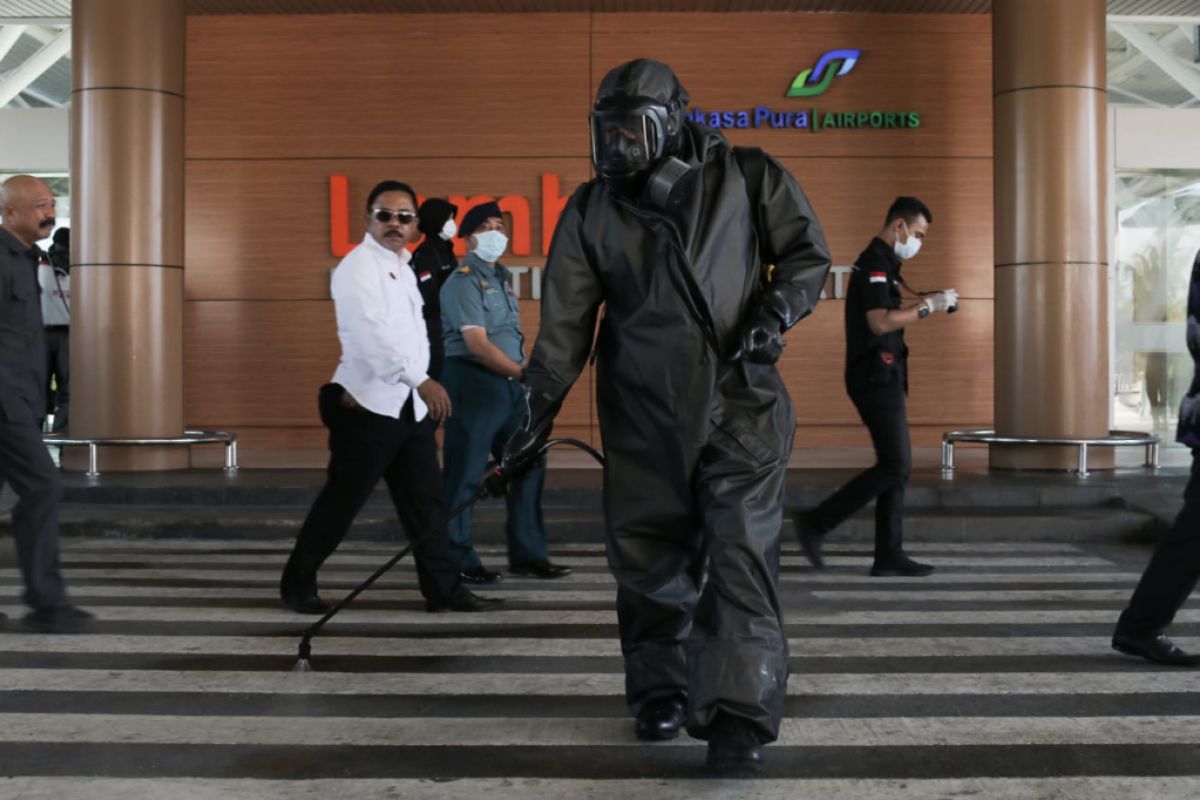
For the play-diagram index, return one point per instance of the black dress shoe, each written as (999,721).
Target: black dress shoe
(464,600)
(63,619)
(810,540)
(304,602)
(734,749)
(540,569)
(900,567)
(1159,649)
(661,718)
(480,575)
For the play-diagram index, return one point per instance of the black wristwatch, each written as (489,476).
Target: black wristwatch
(923,310)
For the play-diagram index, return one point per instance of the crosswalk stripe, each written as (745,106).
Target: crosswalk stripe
(801,648)
(283,547)
(582,684)
(560,732)
(1007,596)
(510,592)
(525,592)
(197,560)
(349,576)
(527,788)
(823,617)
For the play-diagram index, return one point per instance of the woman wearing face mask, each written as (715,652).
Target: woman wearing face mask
(877,383)
(433,262)
(485,364)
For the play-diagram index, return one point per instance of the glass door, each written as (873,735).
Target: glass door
(1158,235)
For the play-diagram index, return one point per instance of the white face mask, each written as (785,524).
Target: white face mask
(448,230)
(490,245)
(908,249)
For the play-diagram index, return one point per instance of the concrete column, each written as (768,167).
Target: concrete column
(127,212)
(1051,254)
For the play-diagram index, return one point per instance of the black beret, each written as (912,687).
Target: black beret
(477,216)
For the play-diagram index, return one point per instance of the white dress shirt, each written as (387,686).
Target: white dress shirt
(385,345)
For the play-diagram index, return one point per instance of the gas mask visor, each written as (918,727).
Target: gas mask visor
(629,135)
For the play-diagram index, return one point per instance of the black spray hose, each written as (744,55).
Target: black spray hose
(584,446)
(302,663)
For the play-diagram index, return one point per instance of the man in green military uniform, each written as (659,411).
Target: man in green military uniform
(485,365)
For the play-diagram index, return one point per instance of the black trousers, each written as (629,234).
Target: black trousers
(26,466)
(883,409)
(1172,572)
(364,447)
(58,367)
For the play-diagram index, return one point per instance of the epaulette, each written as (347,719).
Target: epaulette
(465,268)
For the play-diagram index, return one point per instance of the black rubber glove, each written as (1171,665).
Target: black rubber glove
(523,450)
(761,338)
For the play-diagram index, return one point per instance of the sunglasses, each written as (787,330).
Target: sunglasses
(385,216)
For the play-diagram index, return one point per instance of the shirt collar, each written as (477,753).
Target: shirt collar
(16,245)
(883,248)
(382,252)
(478,263)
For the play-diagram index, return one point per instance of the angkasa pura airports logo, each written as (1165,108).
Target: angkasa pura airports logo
(814,81)
(811,82)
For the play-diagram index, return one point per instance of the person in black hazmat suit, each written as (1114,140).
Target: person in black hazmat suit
(675,237)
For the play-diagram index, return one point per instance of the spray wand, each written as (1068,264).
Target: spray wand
(494,484)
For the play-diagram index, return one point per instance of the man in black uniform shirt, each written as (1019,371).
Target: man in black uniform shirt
(877,382)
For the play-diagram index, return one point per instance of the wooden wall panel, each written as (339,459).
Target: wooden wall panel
(265,447)
(950,367)
(938,65)
(856,436)
(261,229)
(260,363)
(484,105)
(387,85)
(257,363)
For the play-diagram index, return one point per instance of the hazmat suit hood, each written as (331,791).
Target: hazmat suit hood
(643,77)
(637,121)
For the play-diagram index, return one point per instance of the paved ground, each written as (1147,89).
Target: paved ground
(992,679)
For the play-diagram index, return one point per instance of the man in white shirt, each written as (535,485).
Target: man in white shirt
(380,409)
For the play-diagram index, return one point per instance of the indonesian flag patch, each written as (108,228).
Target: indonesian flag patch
(877,277)
(424,276)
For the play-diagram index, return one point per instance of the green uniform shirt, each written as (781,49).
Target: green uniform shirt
(481,296)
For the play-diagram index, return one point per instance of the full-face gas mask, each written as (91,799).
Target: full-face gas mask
(670,184)
(631,136)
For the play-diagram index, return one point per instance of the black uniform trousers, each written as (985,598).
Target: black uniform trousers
(883,409)
(26,466)
(58,366)
(1172,572)
(363,447)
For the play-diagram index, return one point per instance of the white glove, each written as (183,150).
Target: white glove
(942,301)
